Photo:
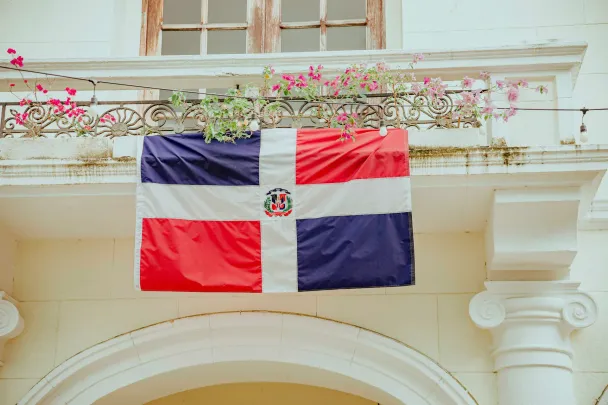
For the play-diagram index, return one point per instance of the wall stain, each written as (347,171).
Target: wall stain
(510,155)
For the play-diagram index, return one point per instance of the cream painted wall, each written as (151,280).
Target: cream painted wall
(76,293)
(8,246)
(262,394)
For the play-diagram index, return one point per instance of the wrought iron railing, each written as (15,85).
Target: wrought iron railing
(161,117)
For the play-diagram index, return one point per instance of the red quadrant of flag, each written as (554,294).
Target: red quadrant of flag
(322,159)
(183,255)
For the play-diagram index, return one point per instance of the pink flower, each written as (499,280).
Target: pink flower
(343,117)
(288,78)
(470,97)
(18,61)
(71,92)
(513,94)
(21,118)
(541,89)
(373,86)
(54,101)
(11,85)
(107,118)
(24,101)
(87,127)
(522,83)
(500,84)
(467,82)
(381,67)
(11,51)
(39,87)
(484,75)
(418,57)
(487,110)
(427,80)
(416,88)
(276,87)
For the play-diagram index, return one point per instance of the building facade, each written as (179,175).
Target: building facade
(510,220)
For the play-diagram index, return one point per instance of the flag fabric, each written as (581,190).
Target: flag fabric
(282,211)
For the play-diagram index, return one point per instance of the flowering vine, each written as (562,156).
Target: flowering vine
(235,114)
(65,111)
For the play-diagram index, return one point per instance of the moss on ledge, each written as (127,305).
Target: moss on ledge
(427,153)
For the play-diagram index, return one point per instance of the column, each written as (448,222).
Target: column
(11,322)
(531,323)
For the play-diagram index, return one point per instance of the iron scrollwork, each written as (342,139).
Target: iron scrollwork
(161,117)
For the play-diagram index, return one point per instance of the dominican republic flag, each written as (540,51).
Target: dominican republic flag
(282,211)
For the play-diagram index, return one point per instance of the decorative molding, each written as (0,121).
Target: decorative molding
(11,322)
(490,308)
(525,316)
(222,348)
(219,71)
(533,229)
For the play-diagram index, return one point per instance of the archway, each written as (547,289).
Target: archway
(202,350)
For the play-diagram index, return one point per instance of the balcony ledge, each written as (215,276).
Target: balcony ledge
(223,71)
(447,152)
(85,187)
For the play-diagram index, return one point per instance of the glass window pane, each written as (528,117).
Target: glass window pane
(182,12)
(346,38)
(345,9)
(300,40)
(181,43)
(298,10)
(227,11)
(226,42)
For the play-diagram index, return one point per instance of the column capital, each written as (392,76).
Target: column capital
(11,322)
(531,321)
(540,300)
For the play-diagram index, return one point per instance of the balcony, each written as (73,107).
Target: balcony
(67,186)
(553,64)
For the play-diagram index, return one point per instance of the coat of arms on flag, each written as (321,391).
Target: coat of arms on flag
(282,211)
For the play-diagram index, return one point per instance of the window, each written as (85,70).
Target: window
(205,27)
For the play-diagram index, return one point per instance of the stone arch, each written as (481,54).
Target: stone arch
(204,350)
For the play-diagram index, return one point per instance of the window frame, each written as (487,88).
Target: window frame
(263,26)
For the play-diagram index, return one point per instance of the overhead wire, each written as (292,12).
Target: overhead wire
(95,82)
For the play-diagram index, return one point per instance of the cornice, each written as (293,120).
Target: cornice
(535,57)
(438,161)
